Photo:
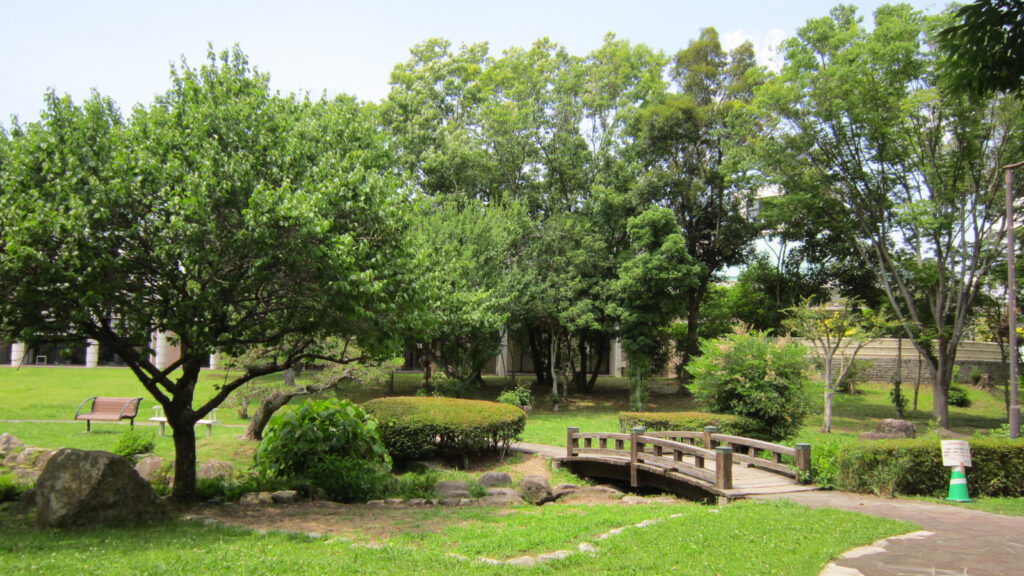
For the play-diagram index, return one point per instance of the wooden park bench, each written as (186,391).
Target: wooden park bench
(108,409)
(209,421)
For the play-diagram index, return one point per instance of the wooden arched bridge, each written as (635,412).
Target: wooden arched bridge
(721,466)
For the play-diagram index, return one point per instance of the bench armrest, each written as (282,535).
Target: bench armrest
(79,411)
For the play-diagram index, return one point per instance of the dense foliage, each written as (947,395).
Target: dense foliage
(914,467)
(692,421)
(417,427)
(328,444)
(752,375)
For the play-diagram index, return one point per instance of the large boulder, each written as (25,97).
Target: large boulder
(153,470)
(494,479)
(452,489)
(216,469)
(535,489)
(89,487)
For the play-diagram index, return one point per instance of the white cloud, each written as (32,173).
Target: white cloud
(766,46)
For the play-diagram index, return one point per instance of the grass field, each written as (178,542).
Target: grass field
(742,538)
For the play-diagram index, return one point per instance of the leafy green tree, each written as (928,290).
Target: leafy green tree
(222,214)
(844,328)
(985,47)
(649,291)
(910,176)
(681,141)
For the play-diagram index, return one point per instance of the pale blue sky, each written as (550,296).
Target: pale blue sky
(124,48)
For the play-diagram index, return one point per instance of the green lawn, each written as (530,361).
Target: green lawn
(742,538)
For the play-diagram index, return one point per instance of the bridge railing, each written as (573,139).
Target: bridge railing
(666,450)
(748,451)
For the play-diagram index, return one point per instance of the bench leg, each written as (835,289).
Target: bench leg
(132,420)
(88,425)
(162,431)
(209,430)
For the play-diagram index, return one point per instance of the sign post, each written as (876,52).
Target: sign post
(957,454)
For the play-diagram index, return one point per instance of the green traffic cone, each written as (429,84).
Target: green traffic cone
(958,486)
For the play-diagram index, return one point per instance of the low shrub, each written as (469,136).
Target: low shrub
(958,396)
(694,421)
(518,396)
(133,443)
(11,489)
(419,427)
(328,444)
(752,375)
(914,467)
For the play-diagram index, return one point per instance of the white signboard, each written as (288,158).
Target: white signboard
(956,453)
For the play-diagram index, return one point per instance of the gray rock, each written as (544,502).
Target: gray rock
(451,501)
(524,561)
(416,502)
(394,501)
(9,443)
(535,489)
(253,498)
(152,470)
(564,490)
(23,458)
(285,496)
(41,459)
(901,428)
(513,499)
(26,502)
(452,489)
(502,492)
(27,476)
(216,469)
(556,555)
(83,488)
(634,500)
(375,504)
(492,479)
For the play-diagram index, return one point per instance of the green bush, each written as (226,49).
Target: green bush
(133,443)
(958,396)
(418,427)
(752,375)
(914,467)
(329,444)
(518,396)
(693,421)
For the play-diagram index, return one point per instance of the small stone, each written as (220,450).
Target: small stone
(502,492)
(465,501)
(24,458)
(556,555)
(587,547)
(634,500)
(375,504)
(216,469)
(151,469)
(394,501)
(42,459)
(566,487)
(501,500)
(452,501)
(285,496)
(250,499)
(416,502)
(27,476)
(525,561)
(492,479)
(665,500)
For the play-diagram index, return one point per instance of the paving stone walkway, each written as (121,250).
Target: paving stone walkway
(955,540)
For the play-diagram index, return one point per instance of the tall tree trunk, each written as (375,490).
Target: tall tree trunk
(943,376)
(917,383)
(692,347)
(579,377)
(266,409)
(826,424)
(538,350)
(553,350)
(184,434)
(602,349)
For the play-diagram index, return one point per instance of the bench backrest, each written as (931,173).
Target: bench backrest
(123,407)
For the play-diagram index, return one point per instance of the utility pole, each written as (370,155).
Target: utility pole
(1011,298)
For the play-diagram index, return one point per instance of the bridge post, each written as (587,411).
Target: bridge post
(634,450)
(723,467)
(803,457)
(709,444)
(571,441)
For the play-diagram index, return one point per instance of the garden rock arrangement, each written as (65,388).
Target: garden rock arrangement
(891,428)
(88,487)
(25,463)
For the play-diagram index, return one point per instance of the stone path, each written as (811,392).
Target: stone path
(953,541)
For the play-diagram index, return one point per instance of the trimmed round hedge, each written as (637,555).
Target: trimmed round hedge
(694,421)
(420,427)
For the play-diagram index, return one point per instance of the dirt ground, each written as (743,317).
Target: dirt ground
(370,525)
